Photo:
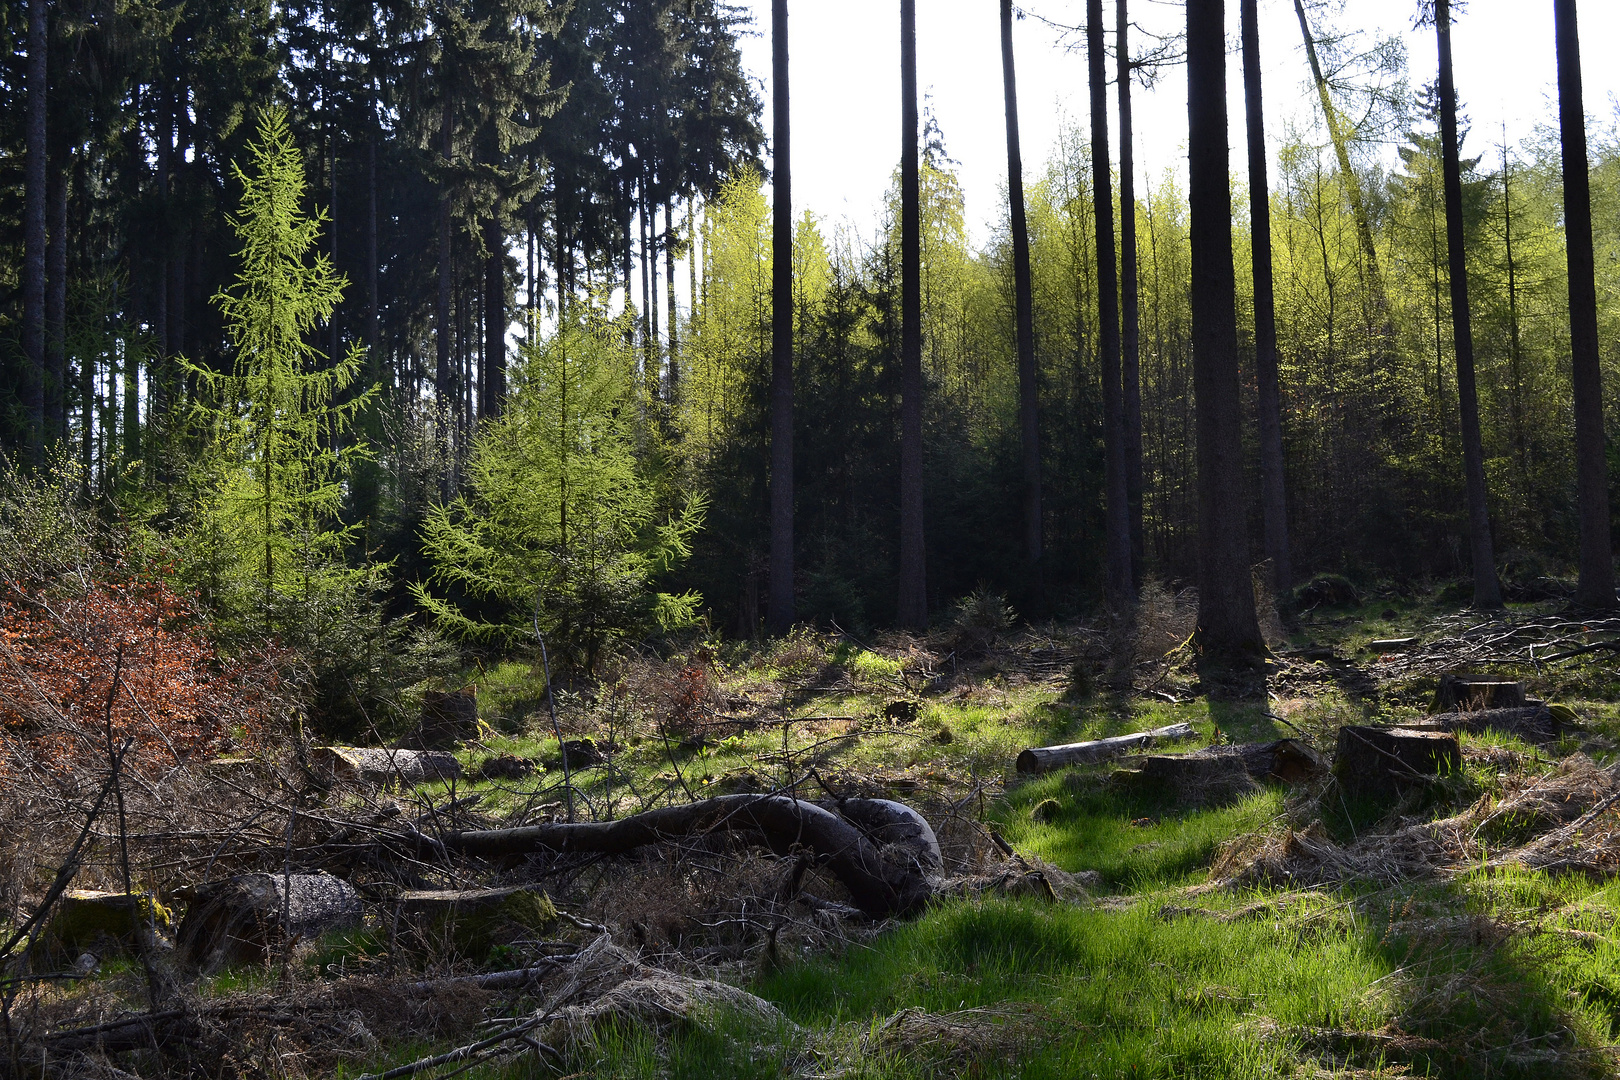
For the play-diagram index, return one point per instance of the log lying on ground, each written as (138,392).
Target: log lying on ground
(1470,693)
(1395,644)
(374,765)
(1533,723)
(880,886)
(244,919)
(1039,759)
(1376,762)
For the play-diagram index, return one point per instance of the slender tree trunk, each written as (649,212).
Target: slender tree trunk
(1341,147)
(1117,520)
(1596,586)
(1024,308)
(1515,340)
(1487,591)
(913,609)
(649,367)
(1130,301)
(672,318)
(56,252)
(1273,499)
(34,238)
(1228,631)
(441,313)
(494,367)
(164,137)
(780,614)
(373,292)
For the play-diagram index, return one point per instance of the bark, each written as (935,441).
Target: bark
(649,344)
(33,278)
(1341,148)
(1024,308)
(1382,763)
(56,368)
(879,886)
(1228,630)
(1130,367)
(373,295)
(1039,759)
(672,315)
(1487,590)
(913,608)
(441,311)
(1596,586)
(1273,498)
(494,367)
(1116,520)
(781,609)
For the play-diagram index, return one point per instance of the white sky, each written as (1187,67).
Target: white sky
(846,88)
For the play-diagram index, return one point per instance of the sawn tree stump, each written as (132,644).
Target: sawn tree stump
(1382,763)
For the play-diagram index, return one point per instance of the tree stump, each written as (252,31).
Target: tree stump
(1225,771)
(383,768)
(447,718)
(1381,763)
(86,918)
(473,920)
(246,919)
(1470,693)
(1533,723)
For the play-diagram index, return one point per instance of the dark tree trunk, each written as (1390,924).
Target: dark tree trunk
(441,312)
(33,283)
(672,314)
(1487,591)
(1116,521)
(1130,368)
(913,610)
(649,345)
(1272,495)
(781,608)
(373,295)
(1228,631)
(1024,308)
(56,372)
(494,367)
(1596,586)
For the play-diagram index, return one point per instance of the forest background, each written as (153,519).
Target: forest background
(489,173)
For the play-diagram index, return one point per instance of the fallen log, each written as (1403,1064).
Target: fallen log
(1377,762)
(374,765)
(1040,759)
(880,887)
(1533,723)
(1231,770)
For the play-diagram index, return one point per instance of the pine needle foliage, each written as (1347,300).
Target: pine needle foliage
(567,522)
(281,416)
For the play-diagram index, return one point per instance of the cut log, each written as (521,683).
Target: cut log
(1470,693)
(1394,644)
(1040,759)
(447,718)
(1380,763)
(893,824)
(87,918)
(1533,723)
(880,886)
(383,768)
(245,919)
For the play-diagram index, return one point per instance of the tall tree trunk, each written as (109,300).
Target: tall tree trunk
(373,293)
(1596,586)
(1130,368)
(33,328)
(913,609)
(56,252)
(1024,308)
(441,312)
(1273,499)
(649,365)
(1487,591)
(1341,148)
(672,316)
(164,137)
(1228,631)
(1117,520)
(494,367)
(780,614)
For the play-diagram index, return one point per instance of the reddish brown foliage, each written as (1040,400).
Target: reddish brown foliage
(124,658)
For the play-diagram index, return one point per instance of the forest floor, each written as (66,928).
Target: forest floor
(1094,926)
